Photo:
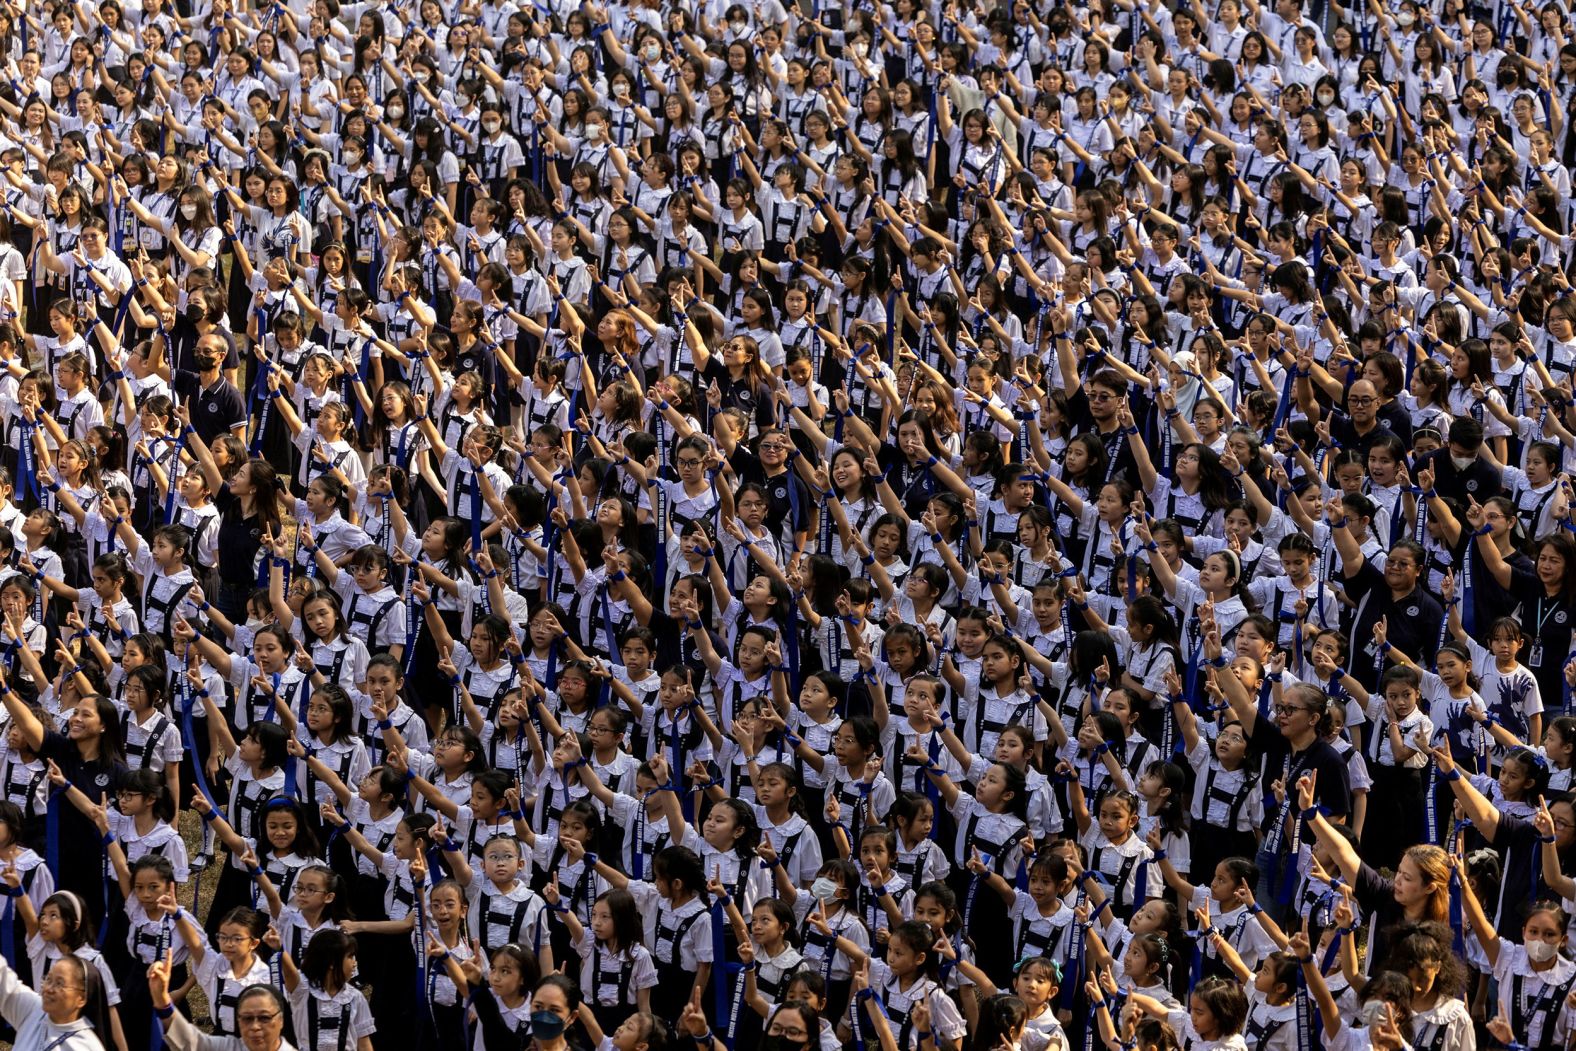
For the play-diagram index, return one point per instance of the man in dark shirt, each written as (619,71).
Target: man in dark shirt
(1459,471)
(1363,426)
(1094,407)
(215,405)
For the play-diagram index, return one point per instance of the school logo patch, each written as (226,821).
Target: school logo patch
(1559,618)
(1412,611)
(1472,485)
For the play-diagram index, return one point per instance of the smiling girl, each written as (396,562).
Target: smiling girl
(88,754)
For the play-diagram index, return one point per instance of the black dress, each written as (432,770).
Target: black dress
(71,839)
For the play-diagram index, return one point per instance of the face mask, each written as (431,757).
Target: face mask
(545,1025)
(1540,951)
(255,623)
(653,52)
(491,126)
(780,1043)
(1371,1013)
(823,889)
(1463,462)
(352,159)
(621,89)
(189,211)
(396,112)
(861,50)
(1326,98)
(593,131)
(421,76)
(1405,18)
(737,27)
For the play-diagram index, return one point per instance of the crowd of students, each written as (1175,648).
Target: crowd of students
(1030,527)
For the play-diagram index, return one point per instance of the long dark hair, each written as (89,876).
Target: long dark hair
(266,489)
(1213,483)
(112,748)
(1420,944)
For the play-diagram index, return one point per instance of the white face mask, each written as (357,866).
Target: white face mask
(1540,951)
(1326,98)
(593,131)
(421,76)
(861,49)
(352,159)
(1371,1013)
(395,112)
(738,27)
(823,889)
(255,623)
(1405,18)
(189,212)
(652,52)
(1463,462)
(491,126)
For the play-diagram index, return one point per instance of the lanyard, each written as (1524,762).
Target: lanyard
(1542,616)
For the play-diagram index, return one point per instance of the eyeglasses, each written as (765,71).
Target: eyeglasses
(256,1019)
(1365,400)
(232,939)
(58,983)
(1288,709)
(792,1034)
(690,463)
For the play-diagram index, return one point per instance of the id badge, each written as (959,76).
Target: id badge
(1535,655)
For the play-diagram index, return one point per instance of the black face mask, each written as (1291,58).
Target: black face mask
(781,1043)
